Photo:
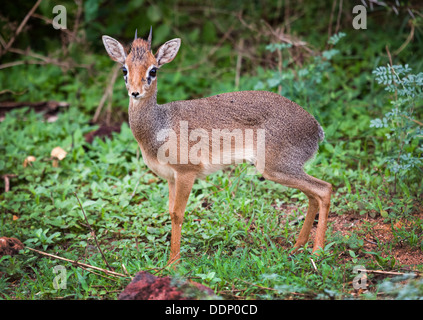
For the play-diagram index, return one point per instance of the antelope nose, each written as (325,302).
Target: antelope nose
(135,94)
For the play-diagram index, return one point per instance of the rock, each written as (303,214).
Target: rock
(10,246)
(145,286)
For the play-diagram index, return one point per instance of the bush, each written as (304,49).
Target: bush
(403,141)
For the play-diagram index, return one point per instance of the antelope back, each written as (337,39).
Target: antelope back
(188,131)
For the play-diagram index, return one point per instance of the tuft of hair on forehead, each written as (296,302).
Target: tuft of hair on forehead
(139,48)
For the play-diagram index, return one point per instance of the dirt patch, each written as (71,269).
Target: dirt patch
(378,234)
(370,234)
(103,131)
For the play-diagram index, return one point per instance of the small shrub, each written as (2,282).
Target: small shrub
(403,140)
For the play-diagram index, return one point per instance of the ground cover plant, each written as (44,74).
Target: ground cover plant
(101,206)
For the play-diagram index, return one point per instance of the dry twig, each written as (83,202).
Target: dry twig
(79,264)
(258,286)
(390,273)
(7,181)
(40,60)
(407,41)
(50,21)
(338,20)
(19,62)
(210,53)
(13,92)
(107,93)
(314,265)
(331,18)
(23,23)
(93,233)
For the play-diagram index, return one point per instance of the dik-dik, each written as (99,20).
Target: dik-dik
(180,140)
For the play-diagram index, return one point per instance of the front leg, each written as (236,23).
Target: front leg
(171,184)
(183,185)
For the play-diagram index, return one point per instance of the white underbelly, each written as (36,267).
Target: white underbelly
(162,170)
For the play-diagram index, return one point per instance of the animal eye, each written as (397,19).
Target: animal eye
(152,72)
(125,71)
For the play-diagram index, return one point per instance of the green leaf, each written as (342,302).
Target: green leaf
(209,32)
(82,281)
(91,9)
(329,147)
(384,214)
(329,54)
(273,82)
(88,203)
(161,34)
(154,13)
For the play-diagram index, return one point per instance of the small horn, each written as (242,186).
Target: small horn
(136,34)
(149,38)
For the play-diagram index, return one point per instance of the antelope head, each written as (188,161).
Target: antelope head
(140,66)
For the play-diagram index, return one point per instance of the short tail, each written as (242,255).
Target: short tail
(321,133)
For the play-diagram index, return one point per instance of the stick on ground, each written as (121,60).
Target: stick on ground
(93,234)
(79,264)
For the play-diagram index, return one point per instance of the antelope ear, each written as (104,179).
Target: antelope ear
(114,49)
(167,52)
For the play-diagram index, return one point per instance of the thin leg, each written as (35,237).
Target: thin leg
(183,186)
(171,184)
(324,206)
(313,207)
(319,193)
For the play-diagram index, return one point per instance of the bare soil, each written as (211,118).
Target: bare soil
(378,234)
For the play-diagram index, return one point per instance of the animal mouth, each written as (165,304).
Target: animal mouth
(138,97)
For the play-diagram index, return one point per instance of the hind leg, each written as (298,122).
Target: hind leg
(313,208)
(318,193)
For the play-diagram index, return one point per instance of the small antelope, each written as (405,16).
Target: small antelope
(289,136)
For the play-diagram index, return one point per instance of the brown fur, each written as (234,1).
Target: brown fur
(291,136)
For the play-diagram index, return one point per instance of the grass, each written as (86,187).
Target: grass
(237,233)
(238,230)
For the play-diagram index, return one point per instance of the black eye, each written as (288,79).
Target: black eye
(152,72)
(125,72)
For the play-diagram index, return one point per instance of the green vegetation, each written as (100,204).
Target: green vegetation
(238,230)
